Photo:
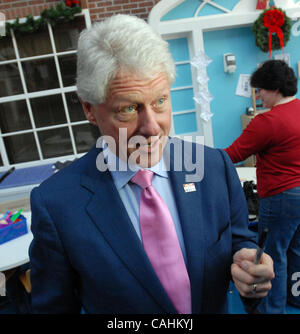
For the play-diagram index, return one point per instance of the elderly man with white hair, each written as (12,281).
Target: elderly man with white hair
(129,228)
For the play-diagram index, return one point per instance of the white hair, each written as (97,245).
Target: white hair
(121,42)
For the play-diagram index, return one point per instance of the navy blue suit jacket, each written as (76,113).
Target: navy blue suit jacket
(86,253)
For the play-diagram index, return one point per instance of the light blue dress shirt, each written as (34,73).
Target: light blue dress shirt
(130,192)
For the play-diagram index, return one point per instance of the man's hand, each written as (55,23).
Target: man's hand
(252,280)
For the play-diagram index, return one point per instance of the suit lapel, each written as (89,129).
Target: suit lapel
(117,229)
(191,219)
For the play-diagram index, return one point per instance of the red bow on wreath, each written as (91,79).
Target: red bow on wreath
(261,4)
(71,3)
(274,20)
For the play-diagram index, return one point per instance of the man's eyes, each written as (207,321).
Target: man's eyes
(160,101)
(129,109)
(134,108)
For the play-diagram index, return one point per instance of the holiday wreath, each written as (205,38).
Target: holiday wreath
(62,12)
(272,29)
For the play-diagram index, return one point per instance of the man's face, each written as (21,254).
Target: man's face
(140,107)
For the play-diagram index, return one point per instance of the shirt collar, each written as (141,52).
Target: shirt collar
(122,173)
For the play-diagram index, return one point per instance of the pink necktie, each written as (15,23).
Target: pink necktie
(161,243)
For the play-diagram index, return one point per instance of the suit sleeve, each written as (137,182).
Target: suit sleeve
(52,278)
(241,235)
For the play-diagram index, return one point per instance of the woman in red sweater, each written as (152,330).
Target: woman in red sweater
(274,136)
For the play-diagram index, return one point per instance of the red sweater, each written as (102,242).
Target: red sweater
(274,136)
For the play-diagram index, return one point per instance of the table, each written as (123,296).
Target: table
(247,173)
(15,252)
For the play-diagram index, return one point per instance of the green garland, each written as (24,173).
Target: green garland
(54,15)
(262,33)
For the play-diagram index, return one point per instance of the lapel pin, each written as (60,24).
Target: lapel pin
(189,187)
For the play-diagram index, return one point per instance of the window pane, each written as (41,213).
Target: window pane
(86,136)
(75,109)
(67,66)
(183,76)
(55,142)
(14,116)
(1,162)
(40,74)
(185,123)
(182,99)
(10,81)
(36,44)
(7,51)
(21,148)
(48,110)
(179,48)
(66,34)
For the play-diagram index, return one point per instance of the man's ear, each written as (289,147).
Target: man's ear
(88,109)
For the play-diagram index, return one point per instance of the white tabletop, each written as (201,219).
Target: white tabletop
(14,253)
(247,173)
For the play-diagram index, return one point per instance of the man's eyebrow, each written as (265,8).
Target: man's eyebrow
(135,99)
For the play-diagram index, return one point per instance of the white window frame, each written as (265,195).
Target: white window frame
(27,96)
(188,111)
(243,14)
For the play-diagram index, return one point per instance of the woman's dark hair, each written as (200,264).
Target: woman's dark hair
(275,74)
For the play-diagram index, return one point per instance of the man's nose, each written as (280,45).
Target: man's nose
(147,123)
